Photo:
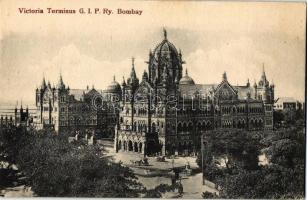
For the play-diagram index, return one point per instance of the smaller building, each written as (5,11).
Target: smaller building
(16,117)
(286,103)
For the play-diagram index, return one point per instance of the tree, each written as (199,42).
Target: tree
(55,167)
(243,178)
(232,147)
(11,140)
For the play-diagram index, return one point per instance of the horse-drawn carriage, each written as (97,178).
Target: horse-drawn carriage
(142,162)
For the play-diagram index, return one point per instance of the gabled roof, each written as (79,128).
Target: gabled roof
(244,90)
(78,93)
(225,82)
(202,89)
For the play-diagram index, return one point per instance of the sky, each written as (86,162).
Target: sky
(236,37)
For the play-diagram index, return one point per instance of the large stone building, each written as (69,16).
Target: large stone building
(166,112)
(73,111)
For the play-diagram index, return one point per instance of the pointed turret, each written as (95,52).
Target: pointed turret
(272,84)
(16,108)
(21,109)
(133,80)
(49,85)
(145,76)
(263,80)
(248,84)
(124,82)
(43,85)
(61,84)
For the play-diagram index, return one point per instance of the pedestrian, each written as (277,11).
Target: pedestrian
(180,188)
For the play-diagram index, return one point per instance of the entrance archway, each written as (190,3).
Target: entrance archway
(125,146)
(130,148)
(140,147)
(119,145)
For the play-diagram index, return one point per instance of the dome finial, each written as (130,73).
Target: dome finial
(114,78)
(132,61)
(186,71)
(224,76)
(165,33)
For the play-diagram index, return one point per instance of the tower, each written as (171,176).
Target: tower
(165,55)
(58,114)
(265,92)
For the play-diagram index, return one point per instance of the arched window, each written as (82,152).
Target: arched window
(130,147)
(153,128)
(134,126)
(184,127)
(119,145)
(179,127)
(199,126)
(190,127)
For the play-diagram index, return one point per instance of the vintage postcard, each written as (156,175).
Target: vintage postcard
(152,99)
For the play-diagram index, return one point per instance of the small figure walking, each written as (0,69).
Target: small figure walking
(180,188)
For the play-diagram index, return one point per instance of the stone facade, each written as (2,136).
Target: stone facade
(166,112)
(77,111)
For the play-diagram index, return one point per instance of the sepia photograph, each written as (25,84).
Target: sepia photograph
(152,99)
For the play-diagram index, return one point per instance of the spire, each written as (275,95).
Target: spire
(186,71)
(132,59)
(224,76)
(248,84)
(124,82)
(114,78)
(263,80)
(165,34)
(43,85)
(61,84)
(263,72)
(133,74)
(133,80)
(145,76)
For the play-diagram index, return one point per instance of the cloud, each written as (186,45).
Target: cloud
(243,59)
(235,57)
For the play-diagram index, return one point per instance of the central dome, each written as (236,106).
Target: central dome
(165,48)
